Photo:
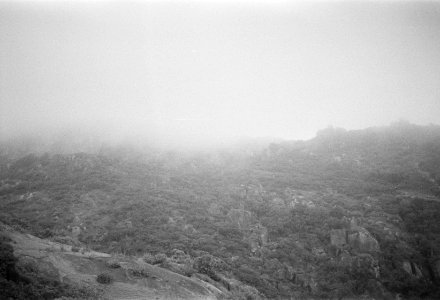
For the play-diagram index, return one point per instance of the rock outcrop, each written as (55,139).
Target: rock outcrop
(133,278)
(338,237)
(412,269)
(362,241)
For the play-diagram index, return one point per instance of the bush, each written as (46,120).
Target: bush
(154,259)
(159,259)
(105,278)
(209,265)
(113,263)
(149,258)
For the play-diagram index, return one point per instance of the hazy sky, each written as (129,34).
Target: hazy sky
(210,70)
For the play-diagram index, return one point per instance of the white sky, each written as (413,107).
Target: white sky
(211,70)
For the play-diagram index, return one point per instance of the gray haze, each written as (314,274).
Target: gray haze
(198,71)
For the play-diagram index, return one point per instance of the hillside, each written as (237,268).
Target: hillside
(346,214)
(78,268)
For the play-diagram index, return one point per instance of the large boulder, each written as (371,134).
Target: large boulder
(362,241)
(412,269)
(338,237)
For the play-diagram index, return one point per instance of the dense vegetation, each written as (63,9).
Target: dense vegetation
(342,215)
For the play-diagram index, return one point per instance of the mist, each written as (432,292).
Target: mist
(192,73)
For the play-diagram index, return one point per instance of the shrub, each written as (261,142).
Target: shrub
(209,265)
(154,259)
(113,263)
(149,258)
(159,258)
(105,278)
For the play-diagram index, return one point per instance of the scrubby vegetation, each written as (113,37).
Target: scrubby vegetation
(342,215)
(104,278)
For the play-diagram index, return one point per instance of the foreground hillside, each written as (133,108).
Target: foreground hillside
(80,271)
(347,214)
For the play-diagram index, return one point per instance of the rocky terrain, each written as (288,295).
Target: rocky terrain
(348,214)
(80,267)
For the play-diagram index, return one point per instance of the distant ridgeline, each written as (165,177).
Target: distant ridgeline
(346,214)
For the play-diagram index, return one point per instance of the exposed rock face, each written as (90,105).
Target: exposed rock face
(412,269)
(338,237)
(363,241)
(133,277)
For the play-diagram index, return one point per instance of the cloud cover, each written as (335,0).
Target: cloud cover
(207,72)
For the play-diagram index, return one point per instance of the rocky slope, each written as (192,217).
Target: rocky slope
(131,279)
(347,214)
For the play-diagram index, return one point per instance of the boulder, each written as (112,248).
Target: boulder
(412,269)
(338,237)
(362,241)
